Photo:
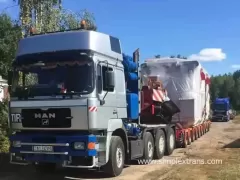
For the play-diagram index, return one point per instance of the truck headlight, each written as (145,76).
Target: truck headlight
(16,143)
(79,145)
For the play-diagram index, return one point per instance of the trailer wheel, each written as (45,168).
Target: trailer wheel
(202,130)
(192,136)
(185,140)
(45,167)
(196,133)
(148,151)
(208,127)
(199,132)
(189,138)
(171,142)
(116,160)
(160,144)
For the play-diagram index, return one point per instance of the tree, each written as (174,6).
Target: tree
(158,56)
(10,33)
(226,85)
(4,130)
(48,16)
(36,12)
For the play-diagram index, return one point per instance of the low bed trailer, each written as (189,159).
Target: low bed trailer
(185,136)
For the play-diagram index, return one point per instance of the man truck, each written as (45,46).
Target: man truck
(77,101)
(221,109)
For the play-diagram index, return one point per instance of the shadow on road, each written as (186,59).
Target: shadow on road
(13,172)
(234,144)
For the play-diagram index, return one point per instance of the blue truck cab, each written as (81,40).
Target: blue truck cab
(221,108)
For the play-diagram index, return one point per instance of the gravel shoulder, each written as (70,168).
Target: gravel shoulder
(221,145)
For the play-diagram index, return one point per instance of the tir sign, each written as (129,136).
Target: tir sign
(16,118)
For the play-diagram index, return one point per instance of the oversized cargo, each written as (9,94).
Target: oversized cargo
(187,85)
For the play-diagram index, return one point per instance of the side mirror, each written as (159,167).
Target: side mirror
(10,77)
(110,79)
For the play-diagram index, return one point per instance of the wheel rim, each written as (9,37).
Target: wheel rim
(150,149)
(119,157)
(171,141)
(161,144)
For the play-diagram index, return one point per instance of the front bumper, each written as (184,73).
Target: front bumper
(220,117)
(63,151)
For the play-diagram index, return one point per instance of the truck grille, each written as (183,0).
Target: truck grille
(50,118)
(220,113)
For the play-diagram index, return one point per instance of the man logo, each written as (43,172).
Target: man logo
(45,115)
(45,122)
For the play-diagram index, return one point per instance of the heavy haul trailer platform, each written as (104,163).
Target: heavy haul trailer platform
(185,136)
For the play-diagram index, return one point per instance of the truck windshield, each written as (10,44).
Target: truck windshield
(53,78)
(221,107)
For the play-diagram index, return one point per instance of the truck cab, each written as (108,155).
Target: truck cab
(68,99)
(221,108)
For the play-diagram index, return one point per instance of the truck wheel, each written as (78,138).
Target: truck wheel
(171,142)
(116,159)
(148,147)
(45,167)
(160,142)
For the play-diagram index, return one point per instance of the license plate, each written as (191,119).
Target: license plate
(43,148)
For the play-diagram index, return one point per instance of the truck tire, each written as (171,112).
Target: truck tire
(45,167)
(171,142)
(160,144)
(228,118)
(116,159)
(148,143)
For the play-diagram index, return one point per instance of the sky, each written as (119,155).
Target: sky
(206,30)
